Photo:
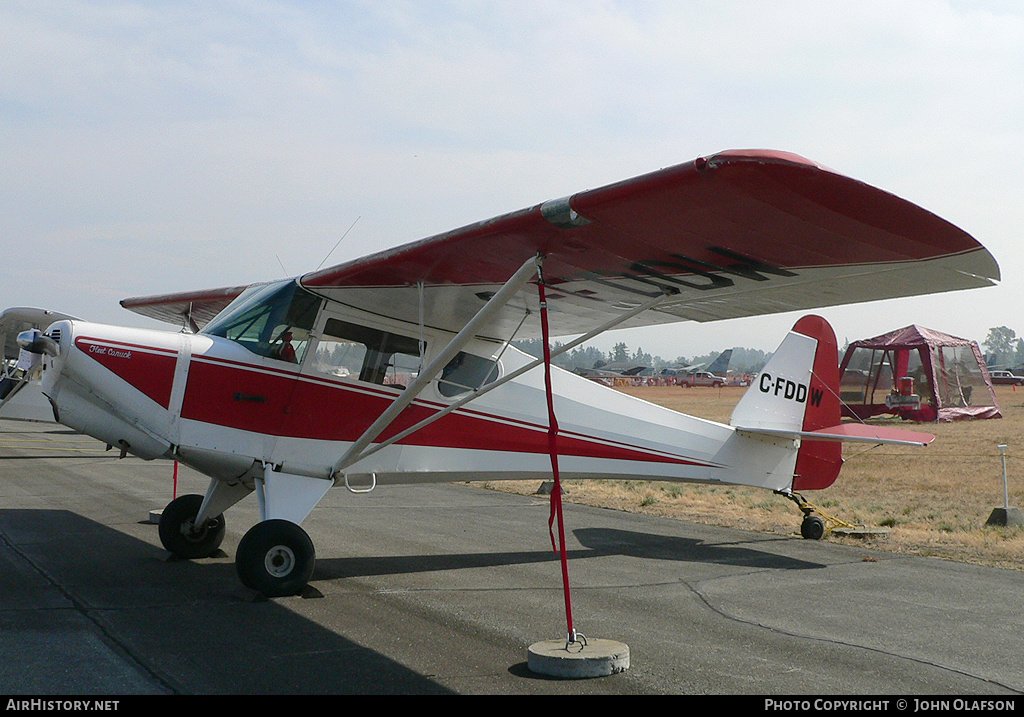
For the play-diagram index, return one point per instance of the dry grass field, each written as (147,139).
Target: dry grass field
(933,501)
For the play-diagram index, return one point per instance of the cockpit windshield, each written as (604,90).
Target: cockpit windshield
(273,320)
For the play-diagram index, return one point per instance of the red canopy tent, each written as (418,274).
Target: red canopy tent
(918,374)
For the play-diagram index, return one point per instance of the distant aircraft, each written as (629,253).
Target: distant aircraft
(720,366)
(21,371)
(397,368)
(611,371)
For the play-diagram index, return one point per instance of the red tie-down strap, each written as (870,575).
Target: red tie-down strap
(556,492)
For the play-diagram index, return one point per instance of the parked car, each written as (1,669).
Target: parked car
(701,378)
(1006,378)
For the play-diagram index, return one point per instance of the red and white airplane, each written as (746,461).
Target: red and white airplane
(397,368)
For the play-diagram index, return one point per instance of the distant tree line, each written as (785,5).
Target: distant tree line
(743,360)
(1002,347)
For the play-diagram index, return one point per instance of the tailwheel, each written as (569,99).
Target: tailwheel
(182,537)
(276,558)
(812,527)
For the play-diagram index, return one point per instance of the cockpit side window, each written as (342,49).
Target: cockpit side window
(272,321)
(371,355)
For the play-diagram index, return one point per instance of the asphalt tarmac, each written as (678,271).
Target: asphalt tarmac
(440,589)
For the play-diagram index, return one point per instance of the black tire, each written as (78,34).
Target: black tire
(812,527)
(179,534)
(276,558)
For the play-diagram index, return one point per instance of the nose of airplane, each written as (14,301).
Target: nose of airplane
(112,383)
(37,342)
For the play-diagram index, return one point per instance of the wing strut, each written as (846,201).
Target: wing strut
(486,313)
(607,326)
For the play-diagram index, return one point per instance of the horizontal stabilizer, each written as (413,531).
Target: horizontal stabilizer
(853,432)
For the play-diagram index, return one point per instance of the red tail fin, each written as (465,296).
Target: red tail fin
(818,462)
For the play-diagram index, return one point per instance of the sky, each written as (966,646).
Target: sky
(154,147)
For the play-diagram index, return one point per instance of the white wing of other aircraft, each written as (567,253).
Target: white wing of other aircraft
(20,395)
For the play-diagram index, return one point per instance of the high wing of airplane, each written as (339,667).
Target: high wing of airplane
(740,233)
(398,368)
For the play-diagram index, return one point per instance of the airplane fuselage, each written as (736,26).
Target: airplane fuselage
(213,404)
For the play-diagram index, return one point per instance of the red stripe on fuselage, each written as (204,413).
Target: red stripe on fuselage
(286,404)
(148,369)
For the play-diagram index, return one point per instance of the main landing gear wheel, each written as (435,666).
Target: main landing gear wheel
(812,527)
(182,537)
(276,558)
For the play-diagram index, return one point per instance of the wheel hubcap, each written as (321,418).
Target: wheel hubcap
(192,532)
(279,561)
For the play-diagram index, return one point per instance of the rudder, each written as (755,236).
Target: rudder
(818,462)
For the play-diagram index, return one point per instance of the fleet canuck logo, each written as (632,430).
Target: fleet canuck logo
(788,389)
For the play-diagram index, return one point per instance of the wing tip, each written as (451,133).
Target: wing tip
(758,156)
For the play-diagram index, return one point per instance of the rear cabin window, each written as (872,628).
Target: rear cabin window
(466,372)
(370,355)
(350,350)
